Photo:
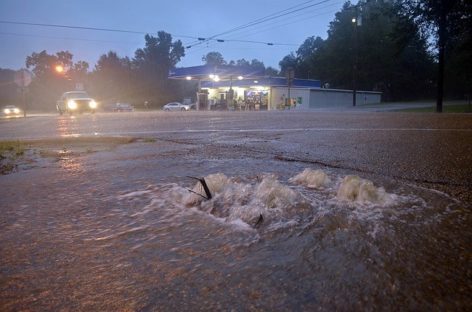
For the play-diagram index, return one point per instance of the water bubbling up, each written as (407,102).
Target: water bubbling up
(235,199)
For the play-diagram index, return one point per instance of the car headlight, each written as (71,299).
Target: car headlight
(92,104)
(72,104)
(6,111)
(17,111)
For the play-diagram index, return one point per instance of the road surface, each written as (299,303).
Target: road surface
(118,229)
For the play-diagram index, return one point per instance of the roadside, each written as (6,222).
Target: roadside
(407,107)
(27,154)
(417,106)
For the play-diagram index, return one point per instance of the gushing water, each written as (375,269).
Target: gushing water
(315,239)
(310,178)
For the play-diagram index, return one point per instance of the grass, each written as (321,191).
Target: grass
(11,148)
(10,153)
(447,108)
(13,153)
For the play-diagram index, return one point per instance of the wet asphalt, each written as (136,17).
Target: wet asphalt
(431,149)
(99,230)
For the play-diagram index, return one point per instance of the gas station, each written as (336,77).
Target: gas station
(228,87)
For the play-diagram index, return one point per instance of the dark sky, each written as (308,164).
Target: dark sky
(181,18)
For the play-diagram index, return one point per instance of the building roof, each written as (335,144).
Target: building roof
(264,81)
(224,72)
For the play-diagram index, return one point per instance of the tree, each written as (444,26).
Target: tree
(257,66)
(111,77)
(445,21)
(289,61)
(158,56)
(43,64)
(213,59)
(47,84)
(388,50)
(79,71)
(271,72)
(242,63)
(8,94)
(306,56)
(151,67)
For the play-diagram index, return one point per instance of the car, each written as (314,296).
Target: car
(76,101)
(11,110)
(123,107)
(176,106)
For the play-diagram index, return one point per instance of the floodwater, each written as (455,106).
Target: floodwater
(126,231)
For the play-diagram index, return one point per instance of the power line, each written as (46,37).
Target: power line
(277,24)
(62,38)
(132,32)
(73,27)
(272,16)
(201,40)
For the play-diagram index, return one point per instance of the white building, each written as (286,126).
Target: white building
(230,87)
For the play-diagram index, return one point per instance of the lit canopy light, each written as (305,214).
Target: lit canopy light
(353,20)
(188,78)
(208,72)
(216,78)
(255,81)
(240,77)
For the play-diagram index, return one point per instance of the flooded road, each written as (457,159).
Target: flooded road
(298,219)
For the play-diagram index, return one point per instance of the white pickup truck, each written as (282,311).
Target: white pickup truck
(76,101)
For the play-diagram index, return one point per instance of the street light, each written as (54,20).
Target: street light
(356,21)
(59,69)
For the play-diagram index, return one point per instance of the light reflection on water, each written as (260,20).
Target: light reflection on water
(66,125)
(152,249)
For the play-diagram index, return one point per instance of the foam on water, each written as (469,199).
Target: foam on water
(354,189)
(240,202)
(310,178)
(236,200)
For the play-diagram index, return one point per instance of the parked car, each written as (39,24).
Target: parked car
(11,110)
(219,106)
(123,107)
(76,101)
(176,106)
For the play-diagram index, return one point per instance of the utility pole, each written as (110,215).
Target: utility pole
(357,21)
(441,50)
(290,77)
(23,78)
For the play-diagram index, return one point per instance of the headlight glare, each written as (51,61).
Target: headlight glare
(71,104)
(17,111)
(92,104)
(6,111)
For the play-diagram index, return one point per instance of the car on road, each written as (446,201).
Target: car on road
(176,106)
(76,101)
(123,107)
(11,110)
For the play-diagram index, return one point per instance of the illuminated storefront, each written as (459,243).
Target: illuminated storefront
(238,88)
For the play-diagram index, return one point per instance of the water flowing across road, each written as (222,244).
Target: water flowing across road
(289,226)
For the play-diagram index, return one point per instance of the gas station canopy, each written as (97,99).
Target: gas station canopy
(215,73)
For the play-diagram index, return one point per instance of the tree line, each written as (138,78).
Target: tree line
(406,49)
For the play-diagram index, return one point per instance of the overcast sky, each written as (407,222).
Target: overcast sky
(181,18)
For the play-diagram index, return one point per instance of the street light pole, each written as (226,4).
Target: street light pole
(356,21)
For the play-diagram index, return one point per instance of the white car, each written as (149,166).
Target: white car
(123,107)
(176,106)
(11,110)
(76,101)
